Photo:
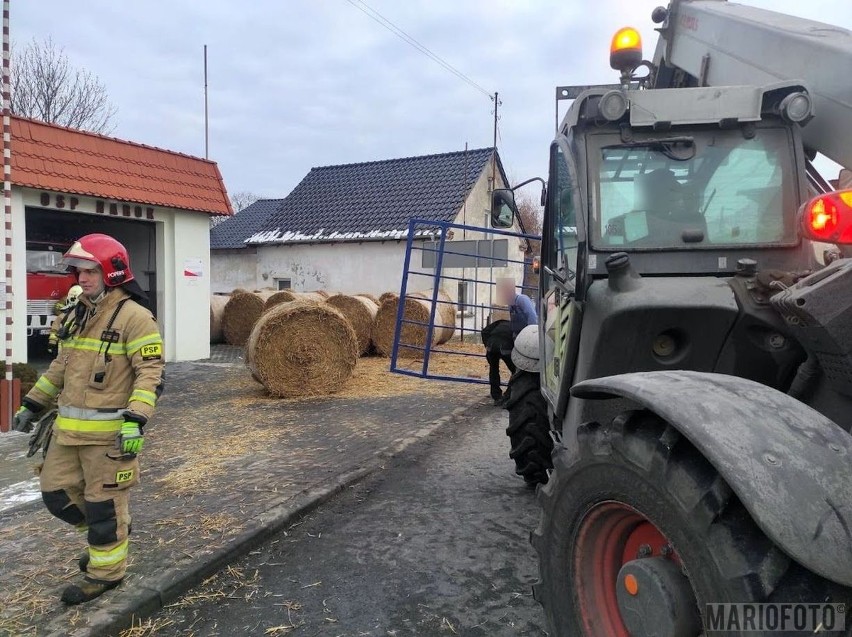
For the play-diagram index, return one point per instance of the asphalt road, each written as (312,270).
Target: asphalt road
(436,544)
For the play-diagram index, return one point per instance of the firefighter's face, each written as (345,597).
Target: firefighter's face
(91,280)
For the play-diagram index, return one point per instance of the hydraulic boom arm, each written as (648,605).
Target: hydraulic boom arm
(720,43)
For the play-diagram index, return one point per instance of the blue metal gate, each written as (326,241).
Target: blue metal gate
(439,256)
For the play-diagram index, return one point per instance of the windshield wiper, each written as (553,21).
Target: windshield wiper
(677,148)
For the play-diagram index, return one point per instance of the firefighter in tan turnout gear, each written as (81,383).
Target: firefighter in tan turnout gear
(105,381)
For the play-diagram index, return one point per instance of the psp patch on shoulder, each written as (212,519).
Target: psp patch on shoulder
(124,476)
(151,352)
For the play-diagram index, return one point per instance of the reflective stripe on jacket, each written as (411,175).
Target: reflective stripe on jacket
(99,373)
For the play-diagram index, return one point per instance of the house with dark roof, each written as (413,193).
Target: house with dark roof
(67,183)
(344,228)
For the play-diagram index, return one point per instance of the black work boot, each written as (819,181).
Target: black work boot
(86,590)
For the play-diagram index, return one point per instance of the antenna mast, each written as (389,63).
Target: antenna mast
(206,126)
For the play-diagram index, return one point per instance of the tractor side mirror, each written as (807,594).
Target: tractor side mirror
(828,218)
(503,208)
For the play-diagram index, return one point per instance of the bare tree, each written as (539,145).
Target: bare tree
(47,87)
(531,217)
(530,212)
(242,200)
(239,202)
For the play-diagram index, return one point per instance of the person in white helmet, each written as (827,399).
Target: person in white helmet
(62,325)
(529,428)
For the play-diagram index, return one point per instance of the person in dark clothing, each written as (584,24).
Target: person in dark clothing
(499,336)
(521,308)
(498,340)
(529,427)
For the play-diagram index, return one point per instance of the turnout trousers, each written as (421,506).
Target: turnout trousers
(87,486)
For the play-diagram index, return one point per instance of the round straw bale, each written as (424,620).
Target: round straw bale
(239,291)
(316,297)
(217,311)
(240,314)
(282,296)
(445,316)
(388,295)
(360,312)
(416,309)
(302,349)
(285,296)
(372,297)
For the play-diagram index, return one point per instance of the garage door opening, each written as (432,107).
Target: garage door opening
(49,233)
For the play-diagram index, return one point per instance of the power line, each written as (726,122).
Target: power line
(367,10)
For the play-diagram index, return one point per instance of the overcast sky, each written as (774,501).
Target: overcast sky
(302,83)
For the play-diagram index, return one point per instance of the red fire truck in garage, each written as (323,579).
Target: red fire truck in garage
(47,282)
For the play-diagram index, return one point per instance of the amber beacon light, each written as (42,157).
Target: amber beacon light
(625,52)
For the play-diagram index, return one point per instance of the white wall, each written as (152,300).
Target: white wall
(187,315)
(232,269)
(476,212)
(371,267)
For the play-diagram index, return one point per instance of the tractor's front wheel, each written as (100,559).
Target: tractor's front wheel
(639,532)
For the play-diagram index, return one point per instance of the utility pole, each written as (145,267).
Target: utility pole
(206,127)
(494,156)
(491,279)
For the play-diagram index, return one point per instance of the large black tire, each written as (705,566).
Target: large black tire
(531,449)
(640,461)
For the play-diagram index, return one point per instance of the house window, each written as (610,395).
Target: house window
(282,284)
(466,298)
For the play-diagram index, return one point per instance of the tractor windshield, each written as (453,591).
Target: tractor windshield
(716,188)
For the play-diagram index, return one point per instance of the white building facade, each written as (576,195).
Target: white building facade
(375,265)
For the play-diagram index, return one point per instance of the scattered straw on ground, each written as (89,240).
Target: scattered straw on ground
(37,582)
(206,458)
(231,583)
(147,627)
(372,377)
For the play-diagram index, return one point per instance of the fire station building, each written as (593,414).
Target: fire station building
(67,183)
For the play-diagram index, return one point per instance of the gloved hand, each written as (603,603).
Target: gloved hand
(24,420)
(130,440)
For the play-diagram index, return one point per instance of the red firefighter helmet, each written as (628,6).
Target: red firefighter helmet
(103,251)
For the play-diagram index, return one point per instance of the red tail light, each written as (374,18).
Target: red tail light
(828,217)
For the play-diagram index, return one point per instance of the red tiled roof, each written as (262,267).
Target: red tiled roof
(51,157)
